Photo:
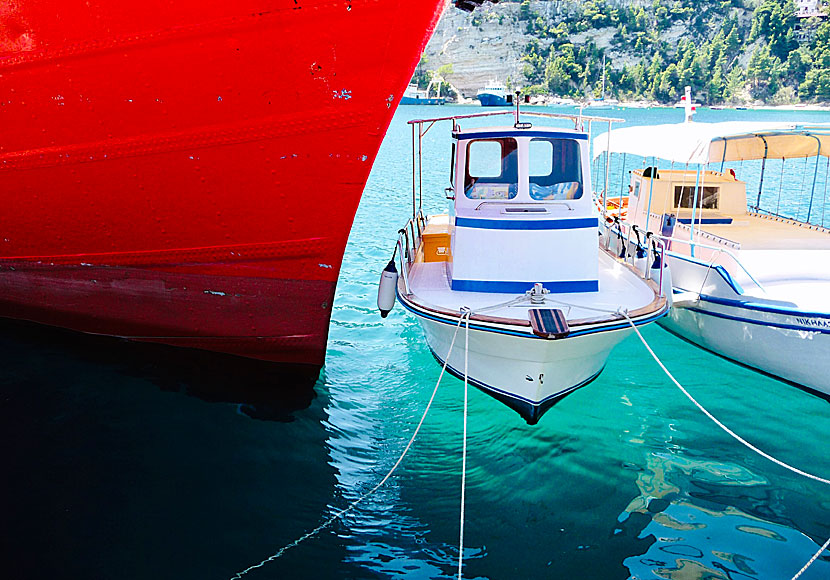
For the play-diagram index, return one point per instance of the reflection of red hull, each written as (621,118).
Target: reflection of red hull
(188,172)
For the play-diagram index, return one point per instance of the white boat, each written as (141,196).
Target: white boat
(751,276)
(520,251)
(602,102)
(416,96)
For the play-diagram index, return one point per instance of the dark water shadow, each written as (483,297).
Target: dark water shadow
(263,390)
(135,461)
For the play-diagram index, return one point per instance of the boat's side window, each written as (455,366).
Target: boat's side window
(492,169)
(707,198)
(555,169)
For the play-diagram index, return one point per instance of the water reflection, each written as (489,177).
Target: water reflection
(697,536)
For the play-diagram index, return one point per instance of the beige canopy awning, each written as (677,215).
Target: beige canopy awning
(701,143)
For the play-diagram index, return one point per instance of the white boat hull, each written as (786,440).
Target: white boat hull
(528,373)
(792,346)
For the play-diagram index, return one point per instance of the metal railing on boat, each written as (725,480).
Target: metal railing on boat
(418,133)
(665,240)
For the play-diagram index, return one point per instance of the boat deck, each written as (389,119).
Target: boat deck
(790,261)
(800,278)
(619,287)
(755,232)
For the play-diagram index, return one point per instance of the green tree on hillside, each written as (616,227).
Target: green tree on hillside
(775,20)
(817,79)
(710,55)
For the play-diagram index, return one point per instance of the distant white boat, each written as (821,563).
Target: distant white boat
(519,251)
(415,96)
(602,104)
(751,282)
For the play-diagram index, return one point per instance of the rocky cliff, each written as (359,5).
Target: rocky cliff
(485,45)
(490,43)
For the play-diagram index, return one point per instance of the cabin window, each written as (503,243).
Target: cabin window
(492,169)
(555,169)
(708,197)
(541,157)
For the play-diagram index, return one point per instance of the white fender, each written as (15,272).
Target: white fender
(665,283)
(613,245)
(666,287)
(386,288)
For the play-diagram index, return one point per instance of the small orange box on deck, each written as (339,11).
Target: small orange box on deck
(436,238)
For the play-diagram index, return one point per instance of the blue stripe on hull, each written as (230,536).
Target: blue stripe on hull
(503,224)
(509,287)
(749,305)
(804,388)
(758,322)
(705,221)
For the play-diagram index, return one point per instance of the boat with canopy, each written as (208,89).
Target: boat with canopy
(517,258)
(742,208)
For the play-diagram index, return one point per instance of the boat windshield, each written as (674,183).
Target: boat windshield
(555,169)
(492,169)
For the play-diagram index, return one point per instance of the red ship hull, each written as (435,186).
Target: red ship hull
(188,173)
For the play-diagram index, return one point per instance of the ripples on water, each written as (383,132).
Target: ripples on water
(133,469)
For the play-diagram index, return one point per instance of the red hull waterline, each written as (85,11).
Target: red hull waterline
(188,172)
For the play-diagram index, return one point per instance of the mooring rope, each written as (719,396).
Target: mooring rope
(713,418)
(466,313)
(734,435)
(813,559)
(354,504)
(465,316)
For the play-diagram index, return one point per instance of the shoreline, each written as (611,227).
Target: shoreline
(548,101)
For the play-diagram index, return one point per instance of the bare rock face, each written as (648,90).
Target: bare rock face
(484,46)
(487,45)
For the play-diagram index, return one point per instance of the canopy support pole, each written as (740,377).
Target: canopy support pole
(651,189)
(421,134)
(723,160)
(801,189)
(824,199)
(414,155)
(780,188)
(763,168)
(607,170)
(694,212)
(815,177)
(622,185)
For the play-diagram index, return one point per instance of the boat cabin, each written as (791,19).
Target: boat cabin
(715,208)
(522,211)
(720,198)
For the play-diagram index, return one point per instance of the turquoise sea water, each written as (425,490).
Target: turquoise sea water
(115,471)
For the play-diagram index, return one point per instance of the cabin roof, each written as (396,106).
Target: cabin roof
(537,131)
(700,143)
